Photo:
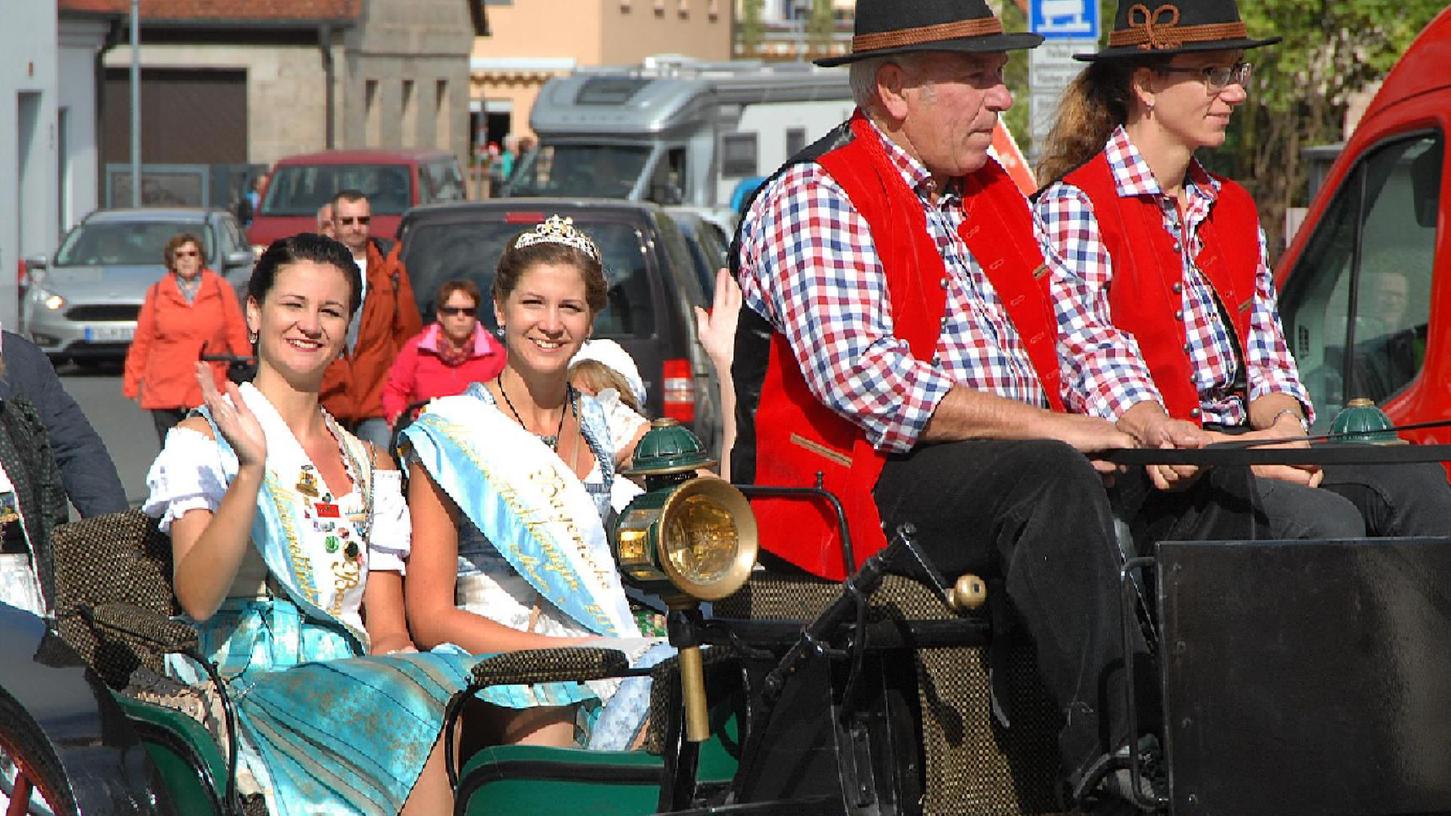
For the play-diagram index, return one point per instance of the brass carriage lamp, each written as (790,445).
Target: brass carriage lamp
(687,539)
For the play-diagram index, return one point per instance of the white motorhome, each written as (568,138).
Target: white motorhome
(675,130)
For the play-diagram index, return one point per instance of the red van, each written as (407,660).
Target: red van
(394,181)
(1367,280)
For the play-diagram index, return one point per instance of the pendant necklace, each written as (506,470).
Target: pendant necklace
(551,441)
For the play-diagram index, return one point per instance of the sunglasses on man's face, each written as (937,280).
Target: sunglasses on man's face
(458,311)
(185,253)
(348,220)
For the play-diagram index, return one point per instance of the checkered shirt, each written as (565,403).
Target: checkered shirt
(1104,373)
(808,265)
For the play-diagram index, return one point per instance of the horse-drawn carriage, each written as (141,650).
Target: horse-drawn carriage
(1297,677)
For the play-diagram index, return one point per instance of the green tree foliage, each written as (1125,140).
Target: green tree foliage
(820,26)
(1301,88)
(750,29)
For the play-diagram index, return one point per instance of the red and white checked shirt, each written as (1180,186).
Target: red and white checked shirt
(808,265)
(1104,373)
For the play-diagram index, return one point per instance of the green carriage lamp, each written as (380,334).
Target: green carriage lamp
(1361,421)
(686,539)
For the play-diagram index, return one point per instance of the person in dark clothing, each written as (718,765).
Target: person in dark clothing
(86,468)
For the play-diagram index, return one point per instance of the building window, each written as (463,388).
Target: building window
(684,10)
(410,120)
(443,113)
(372,114)
(712,9)
(738,154)
(795,141)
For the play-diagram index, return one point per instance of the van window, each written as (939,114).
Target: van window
(1364,280)
(436,252)
(602,171)
(444,180)
(667,184)
(300,189)
(738,154)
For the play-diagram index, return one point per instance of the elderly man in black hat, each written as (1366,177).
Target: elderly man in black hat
(898,345)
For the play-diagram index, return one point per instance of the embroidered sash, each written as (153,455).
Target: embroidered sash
(321,576)
(528,504)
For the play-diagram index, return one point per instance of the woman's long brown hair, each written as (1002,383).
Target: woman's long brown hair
(1096,102)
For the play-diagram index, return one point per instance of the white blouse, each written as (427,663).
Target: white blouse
(192,472)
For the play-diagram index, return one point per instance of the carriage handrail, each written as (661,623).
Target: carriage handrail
(817,493)
(173,637)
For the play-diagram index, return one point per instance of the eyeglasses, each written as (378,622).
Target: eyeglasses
(185,253)
(354,219)
(457,311)
(1217,77)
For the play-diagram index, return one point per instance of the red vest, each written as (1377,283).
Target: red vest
(798,439)
(1145,296)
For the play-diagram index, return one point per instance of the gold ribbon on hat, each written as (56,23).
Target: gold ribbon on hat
(980,27)
(1159,30)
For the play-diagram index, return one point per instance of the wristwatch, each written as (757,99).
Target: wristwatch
(1304,423)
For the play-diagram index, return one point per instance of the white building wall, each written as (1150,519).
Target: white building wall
(78,164)
(29,217)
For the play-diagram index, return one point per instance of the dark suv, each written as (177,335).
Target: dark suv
(652,285)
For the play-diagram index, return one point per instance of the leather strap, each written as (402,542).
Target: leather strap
(1230,454)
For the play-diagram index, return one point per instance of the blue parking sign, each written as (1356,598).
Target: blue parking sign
(1064,19)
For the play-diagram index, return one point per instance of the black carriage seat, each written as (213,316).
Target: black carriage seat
(972,764)
(114,604)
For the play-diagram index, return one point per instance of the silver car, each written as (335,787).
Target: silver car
(83,303)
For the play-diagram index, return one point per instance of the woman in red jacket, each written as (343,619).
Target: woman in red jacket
(446,356)
(191,311)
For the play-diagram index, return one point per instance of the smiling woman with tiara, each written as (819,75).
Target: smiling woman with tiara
(510,485)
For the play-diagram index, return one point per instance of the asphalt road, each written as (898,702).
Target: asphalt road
(123,426)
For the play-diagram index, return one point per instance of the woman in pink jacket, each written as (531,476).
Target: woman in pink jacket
(191,311)
(446,356)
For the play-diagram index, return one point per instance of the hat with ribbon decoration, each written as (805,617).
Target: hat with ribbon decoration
(1144,28)
(886,27)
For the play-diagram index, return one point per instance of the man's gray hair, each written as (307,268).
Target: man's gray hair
(862,75)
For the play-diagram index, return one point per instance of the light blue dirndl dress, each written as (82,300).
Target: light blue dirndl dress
(535,558)
(324,728)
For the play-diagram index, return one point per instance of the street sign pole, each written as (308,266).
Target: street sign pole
(1068,27)
(136,103)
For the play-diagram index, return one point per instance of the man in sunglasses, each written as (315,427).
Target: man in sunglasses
(352,389)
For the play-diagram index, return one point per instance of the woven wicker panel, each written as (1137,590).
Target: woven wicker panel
(769,597)
(549,665)
(119,557)
(972,764)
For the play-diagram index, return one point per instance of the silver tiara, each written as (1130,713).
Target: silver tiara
(557,230)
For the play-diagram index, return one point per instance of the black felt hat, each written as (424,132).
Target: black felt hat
(1143,28)
(885,27)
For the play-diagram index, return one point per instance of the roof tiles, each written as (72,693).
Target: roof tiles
(230,10)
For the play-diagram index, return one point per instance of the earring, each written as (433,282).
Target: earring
(1151,105)
(252,337)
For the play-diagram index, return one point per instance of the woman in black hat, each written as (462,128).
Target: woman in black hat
(1162,289)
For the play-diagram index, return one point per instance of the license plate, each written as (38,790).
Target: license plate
(109,334)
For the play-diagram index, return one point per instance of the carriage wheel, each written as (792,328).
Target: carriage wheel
(32,775)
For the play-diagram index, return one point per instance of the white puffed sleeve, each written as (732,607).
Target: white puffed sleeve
(621,420)
(392,532)
(190,473)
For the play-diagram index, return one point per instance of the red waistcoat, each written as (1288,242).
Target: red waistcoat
(798,438)
(1145,295)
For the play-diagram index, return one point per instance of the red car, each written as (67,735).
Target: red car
(1370,269)
(393,180)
